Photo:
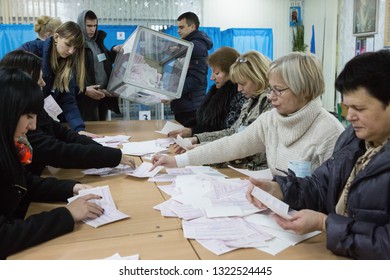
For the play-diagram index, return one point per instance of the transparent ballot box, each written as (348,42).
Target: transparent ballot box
(150,67)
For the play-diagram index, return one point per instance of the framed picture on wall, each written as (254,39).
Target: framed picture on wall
(365,14)
(364,44)
(295,16)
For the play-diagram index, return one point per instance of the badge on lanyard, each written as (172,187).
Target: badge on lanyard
(101,57)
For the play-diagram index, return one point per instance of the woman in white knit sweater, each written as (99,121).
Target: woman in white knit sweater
(298,128)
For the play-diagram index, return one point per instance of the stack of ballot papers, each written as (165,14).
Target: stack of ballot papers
(215,212)
(142,148)
(172,173)
(109,171)
(111,213)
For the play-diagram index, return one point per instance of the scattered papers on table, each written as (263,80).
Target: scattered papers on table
(165,142)
(170,126)
(108,171)
(143,171)
(111,213)
(113,141)
(257,174)
(141,148)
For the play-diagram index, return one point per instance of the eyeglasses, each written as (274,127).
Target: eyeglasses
(277,92)
(20,190)
(241,59)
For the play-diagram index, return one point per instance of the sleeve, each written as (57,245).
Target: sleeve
(74,151)
(34,230)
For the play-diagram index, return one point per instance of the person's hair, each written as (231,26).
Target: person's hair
(302,73)
(46,24)
(64,68)
(90,15)
(370,71)
(19,95)
(223,58)
(191,18)
(252,66)
(25,61)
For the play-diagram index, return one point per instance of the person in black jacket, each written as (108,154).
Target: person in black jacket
(54,144)
(348,196)
(20,101)
(95,101)
(195,85)
(222,105)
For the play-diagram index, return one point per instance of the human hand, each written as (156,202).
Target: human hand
(303,221)
(163,160)
(90,134)
(184,132)
(94,92)
(79,187)
(177,149)
(194,140)
(117,48)
(128,160)
(270,187)
(81,208)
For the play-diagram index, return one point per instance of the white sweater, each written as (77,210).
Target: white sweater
(308,135)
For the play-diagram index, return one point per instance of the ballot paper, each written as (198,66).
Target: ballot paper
(108,171)
(52,108)
(113,141)
(143,171)
(170,126)
(185,143)
(141,148)
(110,214)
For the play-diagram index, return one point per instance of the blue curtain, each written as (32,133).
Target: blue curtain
(12,36)
(246,39)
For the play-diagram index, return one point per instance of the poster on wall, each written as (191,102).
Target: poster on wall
(295,16)
(365,14)
(364,44)
(387,25)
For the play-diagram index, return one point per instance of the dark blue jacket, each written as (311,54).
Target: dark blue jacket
(194,89)
(66,100)
(365,233)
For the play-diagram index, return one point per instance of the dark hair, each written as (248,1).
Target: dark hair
(223,58)
(191,19)
(19,95)
(370,71)
(25,61)
(90,15)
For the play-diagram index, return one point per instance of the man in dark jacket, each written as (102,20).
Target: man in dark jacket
(95,101)
(195,85)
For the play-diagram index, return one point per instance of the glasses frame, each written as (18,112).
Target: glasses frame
(241,59)
(277,92)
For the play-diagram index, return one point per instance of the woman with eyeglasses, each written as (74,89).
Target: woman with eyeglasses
(348,196)
(222,104)
(20,102)
(63,70)
(54,144)
(249,72)
(297,129)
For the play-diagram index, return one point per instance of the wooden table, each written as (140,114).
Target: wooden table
(146,232)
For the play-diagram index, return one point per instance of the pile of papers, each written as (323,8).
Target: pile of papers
(215,212)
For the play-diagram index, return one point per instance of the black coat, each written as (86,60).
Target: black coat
(58,146)
(365,233)
(17,234)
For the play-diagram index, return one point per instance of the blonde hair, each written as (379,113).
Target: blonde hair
(64,68)
(302,73)
(253,66)
(46,24)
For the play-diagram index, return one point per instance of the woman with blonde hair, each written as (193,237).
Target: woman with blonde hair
(63,69)
(45,26)
(297,129)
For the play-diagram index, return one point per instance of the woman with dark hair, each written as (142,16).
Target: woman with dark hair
(63,69)
(222,105)
(53,144)
(20,102)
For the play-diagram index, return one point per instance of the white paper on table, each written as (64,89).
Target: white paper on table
(168,189)
(112,140)
(52,108)
(141,148)
(110,214)
(257,174)
(143,171)
(165,142)
(183,142)
(170,126)
(217,247)
(108,171)
(276,205)
(163,178)
(223,211)
(274,246)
